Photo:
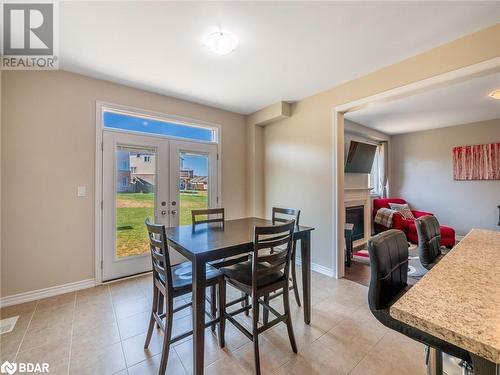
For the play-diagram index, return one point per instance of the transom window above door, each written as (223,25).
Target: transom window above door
(156,125)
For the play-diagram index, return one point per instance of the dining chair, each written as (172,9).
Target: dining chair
(283,215)
(209,215)
(429,241)
(388,283)
(172,281)
(217,215)
(263,274)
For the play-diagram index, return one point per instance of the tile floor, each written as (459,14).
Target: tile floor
(101,331)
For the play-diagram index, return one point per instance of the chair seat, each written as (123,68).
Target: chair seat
(182,276)
(242,273)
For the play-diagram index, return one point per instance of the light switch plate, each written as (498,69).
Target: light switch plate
(82,191)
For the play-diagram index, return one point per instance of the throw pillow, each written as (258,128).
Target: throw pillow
(403,209)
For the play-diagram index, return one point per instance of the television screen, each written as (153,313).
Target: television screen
(360,157)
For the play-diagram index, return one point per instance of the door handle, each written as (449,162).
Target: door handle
(163,212)
(173,212)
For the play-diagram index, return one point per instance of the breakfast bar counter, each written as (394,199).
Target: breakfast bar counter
(459,300)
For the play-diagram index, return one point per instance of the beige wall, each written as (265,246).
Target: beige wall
(48,148)
(255,170)
(298,150)
(422,173)
(256,154)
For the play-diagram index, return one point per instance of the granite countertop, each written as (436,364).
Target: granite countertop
(459,299)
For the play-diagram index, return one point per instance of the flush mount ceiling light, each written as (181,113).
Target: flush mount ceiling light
(495,94)
(221,42)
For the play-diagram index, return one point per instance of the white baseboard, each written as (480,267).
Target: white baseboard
(45,292)
(318,268)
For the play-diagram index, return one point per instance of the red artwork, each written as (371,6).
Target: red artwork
(478,162)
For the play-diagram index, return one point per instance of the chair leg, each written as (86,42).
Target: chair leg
(245,303)
(255,326)
(167,336)
(289,327)
(434,361)
(213,305)
(294,280)
(154,308)
(222,312)
(159,309)
(265,312)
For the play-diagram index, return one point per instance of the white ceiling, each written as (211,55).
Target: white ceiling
(461,103)
(287,50)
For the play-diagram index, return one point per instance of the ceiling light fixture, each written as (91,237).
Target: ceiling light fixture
(495,94)
(221,42)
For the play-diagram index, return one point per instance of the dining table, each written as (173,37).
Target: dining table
(208,242)
(458,300)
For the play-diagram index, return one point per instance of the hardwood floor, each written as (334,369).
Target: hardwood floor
(358,272)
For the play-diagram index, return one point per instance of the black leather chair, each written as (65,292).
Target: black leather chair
(284,215)
(217,215)
(429,241)
(389,273)
(265,273)
(171,281)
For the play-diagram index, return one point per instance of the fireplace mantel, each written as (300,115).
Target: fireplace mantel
(357,194)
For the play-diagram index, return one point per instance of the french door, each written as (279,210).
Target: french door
(150,177)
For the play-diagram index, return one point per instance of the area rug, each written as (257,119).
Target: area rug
(415,268)
(361,255)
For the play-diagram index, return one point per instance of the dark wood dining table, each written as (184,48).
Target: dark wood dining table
(208,242)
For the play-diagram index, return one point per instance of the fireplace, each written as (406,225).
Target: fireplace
(356,215)
(357,203)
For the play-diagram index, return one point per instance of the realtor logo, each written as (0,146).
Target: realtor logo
(29,31)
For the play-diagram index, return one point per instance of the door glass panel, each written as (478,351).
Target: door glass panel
(135,199)
(193,185)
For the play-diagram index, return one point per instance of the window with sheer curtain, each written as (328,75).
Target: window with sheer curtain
(378,175)
(375,174)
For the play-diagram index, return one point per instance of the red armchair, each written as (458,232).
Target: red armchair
(408,225)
